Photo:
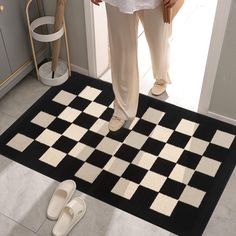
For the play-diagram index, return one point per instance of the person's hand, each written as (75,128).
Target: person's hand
(96,2)
(169,3)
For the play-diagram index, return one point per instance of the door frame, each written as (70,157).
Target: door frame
(90,35)
(97,39)
(217,38)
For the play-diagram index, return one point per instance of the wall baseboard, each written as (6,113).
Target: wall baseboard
(221,117)
(79,70)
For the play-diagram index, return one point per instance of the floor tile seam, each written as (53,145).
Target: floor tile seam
(18,223)
(41,226)
(5,113)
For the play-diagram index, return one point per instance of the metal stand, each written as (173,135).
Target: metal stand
(44,72)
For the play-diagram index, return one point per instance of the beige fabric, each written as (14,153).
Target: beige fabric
(123,35)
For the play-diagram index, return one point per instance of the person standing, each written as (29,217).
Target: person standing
(123,17)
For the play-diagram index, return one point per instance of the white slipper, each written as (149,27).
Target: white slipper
(116,123)
(158,89)
(69,217)
(60,198)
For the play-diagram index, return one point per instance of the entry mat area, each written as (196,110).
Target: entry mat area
(169,166)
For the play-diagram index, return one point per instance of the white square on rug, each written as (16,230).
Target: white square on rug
(64,97)
(43,119)
(164,204)
(20,142)
(125,188)
(223,139)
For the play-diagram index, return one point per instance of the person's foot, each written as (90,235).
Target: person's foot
(116,123)
(158,89)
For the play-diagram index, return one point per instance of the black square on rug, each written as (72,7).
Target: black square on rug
(168,167)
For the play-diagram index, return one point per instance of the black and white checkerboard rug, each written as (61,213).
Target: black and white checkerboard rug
(168,167)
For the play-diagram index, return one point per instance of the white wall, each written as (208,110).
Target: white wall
(223,100)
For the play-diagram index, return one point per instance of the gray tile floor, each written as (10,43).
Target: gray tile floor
(25,193)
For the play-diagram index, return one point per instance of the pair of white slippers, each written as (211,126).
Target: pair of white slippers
(68,212)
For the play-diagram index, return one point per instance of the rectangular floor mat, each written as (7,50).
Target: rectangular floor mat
(168,167)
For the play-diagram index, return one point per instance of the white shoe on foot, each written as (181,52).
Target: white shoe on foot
(158,89)
(116,123)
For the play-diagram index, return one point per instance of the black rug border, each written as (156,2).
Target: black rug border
(208,205)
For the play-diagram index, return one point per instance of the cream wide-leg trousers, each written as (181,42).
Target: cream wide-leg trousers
(123,39)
